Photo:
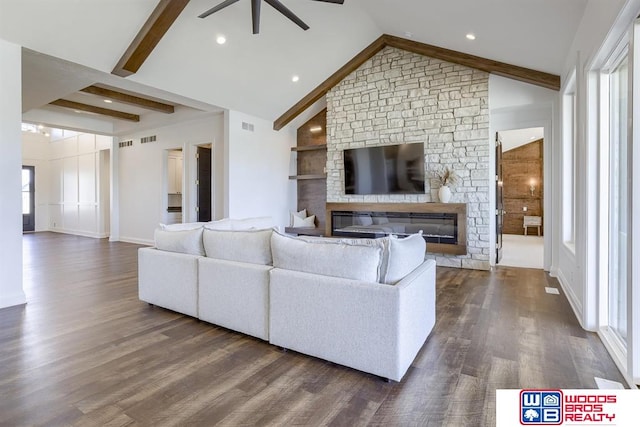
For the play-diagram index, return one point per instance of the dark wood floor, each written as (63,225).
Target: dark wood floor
(85,351)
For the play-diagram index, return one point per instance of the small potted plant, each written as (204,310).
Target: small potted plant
(448,178)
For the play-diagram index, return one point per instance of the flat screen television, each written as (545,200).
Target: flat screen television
(389,169)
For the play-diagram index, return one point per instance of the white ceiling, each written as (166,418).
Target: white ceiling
(83,40)
(515,138)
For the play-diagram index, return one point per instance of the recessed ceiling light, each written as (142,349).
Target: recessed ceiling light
(108,101)
(315,128)
(471,36)
(295,78)
(221,39)
(408,34)
(532,138)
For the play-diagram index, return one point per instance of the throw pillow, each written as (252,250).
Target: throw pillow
(308,222)
(403,256)
(293,215)
(182,241)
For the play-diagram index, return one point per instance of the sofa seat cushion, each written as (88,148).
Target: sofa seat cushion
(359,259)
(252,246)
(181,241)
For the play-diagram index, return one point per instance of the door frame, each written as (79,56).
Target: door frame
(522,117)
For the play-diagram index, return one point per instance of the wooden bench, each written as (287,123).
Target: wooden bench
(532,221)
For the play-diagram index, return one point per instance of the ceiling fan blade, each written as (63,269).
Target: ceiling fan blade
(222,5)
(286,12)
(332,1)
(255,15)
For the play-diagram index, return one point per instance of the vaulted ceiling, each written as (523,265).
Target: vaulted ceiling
(73,44)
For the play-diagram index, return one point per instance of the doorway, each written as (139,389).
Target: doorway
(203,203)
(174,200)
(521,163)
(28,199)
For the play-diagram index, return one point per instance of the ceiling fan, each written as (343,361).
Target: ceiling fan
(255,11)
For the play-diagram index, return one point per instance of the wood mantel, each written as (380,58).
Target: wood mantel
(456,208)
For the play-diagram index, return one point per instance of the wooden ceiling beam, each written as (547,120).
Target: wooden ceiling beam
(96,110)
(158,23)
(527,75)
(538,78)
(126,98)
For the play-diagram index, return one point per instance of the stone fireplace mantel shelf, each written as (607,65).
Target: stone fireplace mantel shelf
(444,225)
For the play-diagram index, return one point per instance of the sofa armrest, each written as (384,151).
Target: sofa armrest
(372,327)
(417,310)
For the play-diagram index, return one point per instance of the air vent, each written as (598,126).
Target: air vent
(247,126)
(146,139)
(128,143)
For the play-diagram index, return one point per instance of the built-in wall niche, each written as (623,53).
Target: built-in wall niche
(311,160)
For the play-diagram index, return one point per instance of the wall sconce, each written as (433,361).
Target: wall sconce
(532,186)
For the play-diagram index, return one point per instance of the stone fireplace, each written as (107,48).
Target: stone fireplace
(400,97)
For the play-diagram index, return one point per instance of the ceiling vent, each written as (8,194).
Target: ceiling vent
(247,126)
(146,139)
(123,144)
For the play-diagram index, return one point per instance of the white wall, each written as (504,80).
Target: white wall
(35,152)
(142,175)
(258,169)
(601,27)
(75,201)
(11,292)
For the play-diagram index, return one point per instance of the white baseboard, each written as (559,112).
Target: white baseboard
(80,233)
(574,302)
(136,241)
(17,298)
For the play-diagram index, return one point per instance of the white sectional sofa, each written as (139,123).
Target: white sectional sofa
(364,303)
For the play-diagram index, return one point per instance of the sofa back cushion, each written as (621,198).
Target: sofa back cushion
(182,226)
(252,246)
(402,257)
(358,259)
(257,223)
(182,241)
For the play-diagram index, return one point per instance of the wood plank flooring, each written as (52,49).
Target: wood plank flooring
(86,352)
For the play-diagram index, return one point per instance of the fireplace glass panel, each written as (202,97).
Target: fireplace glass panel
(435,227)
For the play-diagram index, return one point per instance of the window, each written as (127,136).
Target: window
(618,197)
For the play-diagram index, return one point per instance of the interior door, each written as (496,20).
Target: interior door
(28,199)
(204,184)
(499,199)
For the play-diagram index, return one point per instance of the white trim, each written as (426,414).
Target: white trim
(574,301)
(137,241)
(612,344)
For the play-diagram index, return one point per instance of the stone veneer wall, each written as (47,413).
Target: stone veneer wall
(402,97)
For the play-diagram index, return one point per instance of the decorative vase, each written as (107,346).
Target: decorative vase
(444,193)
